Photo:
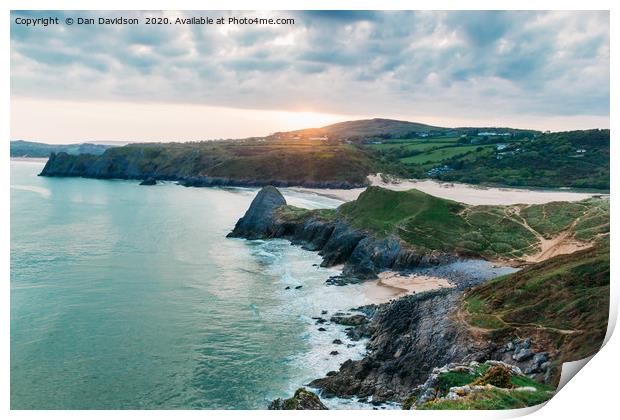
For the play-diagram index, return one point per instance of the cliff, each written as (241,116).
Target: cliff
(363,254)
(409,337)
(231,163)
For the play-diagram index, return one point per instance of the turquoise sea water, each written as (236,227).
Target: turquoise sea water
(125,296)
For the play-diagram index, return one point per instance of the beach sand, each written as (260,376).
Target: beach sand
(392,285)
(463,193)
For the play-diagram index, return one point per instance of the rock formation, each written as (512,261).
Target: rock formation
(302,400)
(258,221)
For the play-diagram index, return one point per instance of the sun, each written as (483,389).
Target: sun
(294,120)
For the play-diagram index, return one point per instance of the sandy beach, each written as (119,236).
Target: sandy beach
(463,193)
(392,285)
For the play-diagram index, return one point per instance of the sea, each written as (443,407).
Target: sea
(131,297)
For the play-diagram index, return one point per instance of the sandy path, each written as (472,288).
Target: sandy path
(562,244)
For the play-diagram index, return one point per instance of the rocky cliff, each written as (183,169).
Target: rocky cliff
(362,254)
(409,337)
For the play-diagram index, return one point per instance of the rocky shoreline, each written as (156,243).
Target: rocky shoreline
(408,337)
(63,165)
(362,255)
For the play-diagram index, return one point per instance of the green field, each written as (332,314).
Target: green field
(439,155)
(411,146)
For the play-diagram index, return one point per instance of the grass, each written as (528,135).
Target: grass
(449,379)
(290,213)
(552,218)
(430,223)
(488,399)
(409,145)
(564,300)
(439,155)
(493,399)
(546,160)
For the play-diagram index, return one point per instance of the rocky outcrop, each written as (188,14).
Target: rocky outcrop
(535,363)
(409,337)
(258,221)
(362,254)
(149,181)
(302,400)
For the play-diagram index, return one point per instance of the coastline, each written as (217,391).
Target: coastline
(465,193)
(393,288)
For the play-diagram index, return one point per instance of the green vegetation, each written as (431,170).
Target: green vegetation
(578,159)
(500,390)
(491,399)
(459,378)
(360,129)
(440,154)
(346,153)
(430,223)
(254,161)
(564,301)
(296,214)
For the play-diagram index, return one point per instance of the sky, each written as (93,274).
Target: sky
(540,70)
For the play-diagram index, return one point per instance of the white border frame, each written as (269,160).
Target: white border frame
(591,394)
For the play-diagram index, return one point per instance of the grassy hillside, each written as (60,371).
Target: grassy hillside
(365,128)
(432,223)
(563,301)
(251,160)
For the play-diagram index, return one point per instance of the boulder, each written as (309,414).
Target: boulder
(302,400)
(149,181)
(352,320)
(522,354)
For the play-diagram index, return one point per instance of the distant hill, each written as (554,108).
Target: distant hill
(22,148)
(367,128)
(386,128)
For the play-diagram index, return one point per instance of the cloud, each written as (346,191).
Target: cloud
(465,64)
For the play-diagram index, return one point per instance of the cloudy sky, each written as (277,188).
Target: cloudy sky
(545,70)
